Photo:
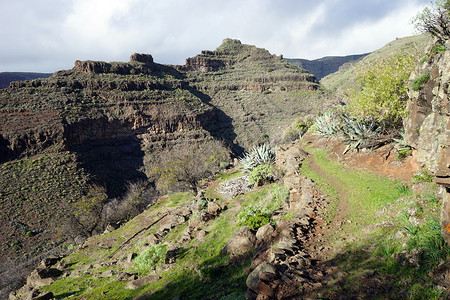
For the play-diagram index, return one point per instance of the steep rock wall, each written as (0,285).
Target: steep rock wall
(427,128)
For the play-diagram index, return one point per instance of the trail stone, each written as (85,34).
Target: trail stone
(213,208)
(264,232)
(241,242)
(138,283)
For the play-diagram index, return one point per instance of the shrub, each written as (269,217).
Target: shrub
(383,86)
(260,175)
(254,217)
(419,82)
(259,155)
(150,258)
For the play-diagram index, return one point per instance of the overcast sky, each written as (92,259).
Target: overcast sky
(49,35)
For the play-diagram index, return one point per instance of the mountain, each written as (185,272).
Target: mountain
(7,77)
(94,130)
(324,66)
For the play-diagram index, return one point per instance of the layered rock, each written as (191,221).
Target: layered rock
(427,127)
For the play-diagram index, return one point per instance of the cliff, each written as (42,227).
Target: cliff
(427,127)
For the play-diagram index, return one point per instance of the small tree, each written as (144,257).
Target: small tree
(383,86)
(187,163)
(435,20)
(86,215)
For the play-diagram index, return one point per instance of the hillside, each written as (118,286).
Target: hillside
(325,66)
(7,77)
(95,130)
(345,77)
(330,214)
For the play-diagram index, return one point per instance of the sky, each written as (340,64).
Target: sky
(49,35)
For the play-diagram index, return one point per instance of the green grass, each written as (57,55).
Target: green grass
(361,247)
(201,267)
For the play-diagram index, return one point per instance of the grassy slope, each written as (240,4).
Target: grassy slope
(368,223)
(345,77)
(201,270)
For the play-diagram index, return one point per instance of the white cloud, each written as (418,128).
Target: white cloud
(49,35)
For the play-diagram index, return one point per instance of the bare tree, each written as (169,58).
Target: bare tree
(187,163)
(435,20)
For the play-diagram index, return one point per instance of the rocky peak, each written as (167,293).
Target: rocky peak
(141,58)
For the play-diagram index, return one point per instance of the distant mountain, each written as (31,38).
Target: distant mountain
(324,66)
(7,77)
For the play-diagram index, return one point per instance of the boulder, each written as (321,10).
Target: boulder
(213,208)
(264,232)
(41,277)
(242,241)
(254,282)
(138,283)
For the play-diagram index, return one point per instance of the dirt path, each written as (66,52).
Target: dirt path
(340,213)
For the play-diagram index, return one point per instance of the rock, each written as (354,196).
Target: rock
(131,256)
(44,296)
(264,232)
(241,242)
(213,208)
(48,262)
(123,276)
(138,283)
(41,277)
(254,278)
(142,58)
(170,221)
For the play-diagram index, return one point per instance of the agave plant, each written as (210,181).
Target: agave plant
(358,133)
(259,155)
(327,124)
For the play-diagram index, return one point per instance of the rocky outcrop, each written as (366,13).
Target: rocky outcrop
(427,127)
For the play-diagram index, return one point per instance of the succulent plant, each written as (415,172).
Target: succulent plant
(259,155)
(327,124)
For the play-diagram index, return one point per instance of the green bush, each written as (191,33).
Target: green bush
(254,217)
(260,175)
(150,258)
(382,88)
(419,82)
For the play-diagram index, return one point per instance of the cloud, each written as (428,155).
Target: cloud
(49,35)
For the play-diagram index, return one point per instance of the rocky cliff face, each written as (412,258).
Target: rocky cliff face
(104,123)
(427,128)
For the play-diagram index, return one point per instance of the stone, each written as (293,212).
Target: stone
(48,262)
(264,232)
(142,58)
(41,277)
(138,283)
(254,277)
(242,241)
(213,208)
(123,276)
(44,296)
(131,256)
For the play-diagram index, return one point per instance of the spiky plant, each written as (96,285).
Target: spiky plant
(359,133)
(259,155)
(327,124)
